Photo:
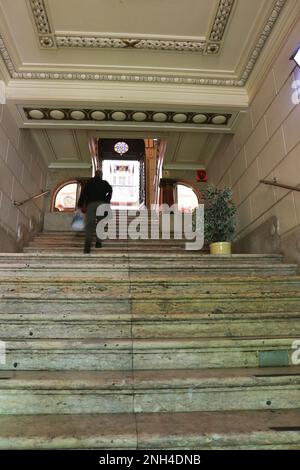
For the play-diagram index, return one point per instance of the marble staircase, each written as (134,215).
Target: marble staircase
(142,345)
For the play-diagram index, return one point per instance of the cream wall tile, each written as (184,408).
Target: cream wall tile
(6,179)
(236,194)
(3,144)
(18,192)
(238,166)
(288,172)
(249,180)
(297,205)
(281,107)
(286,213)
(272,154)
(10,127)
(262,199)
(227,157)
(243,131)
(14,162)
(256,142)
(291,128)
(263,99)
(9,213)
(225,181)
(30,186)
(244,215)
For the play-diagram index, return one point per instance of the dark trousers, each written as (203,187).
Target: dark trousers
(90,219)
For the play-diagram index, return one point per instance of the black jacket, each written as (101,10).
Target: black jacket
(95,189)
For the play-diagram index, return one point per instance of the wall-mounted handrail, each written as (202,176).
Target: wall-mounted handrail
(279,185)
(20,203)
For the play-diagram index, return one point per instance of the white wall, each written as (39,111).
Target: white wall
(266,145)
(22,175)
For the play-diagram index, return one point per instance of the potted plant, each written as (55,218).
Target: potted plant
(219,219)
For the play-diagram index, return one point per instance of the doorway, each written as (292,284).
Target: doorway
(124,177)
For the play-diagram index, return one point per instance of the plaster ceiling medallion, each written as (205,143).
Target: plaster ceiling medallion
(57,114)
(118,116)
(98,115)
(139,116)
(200,118)
(179,117)
(220,119)
(77,115)
(36,114)
(159,117)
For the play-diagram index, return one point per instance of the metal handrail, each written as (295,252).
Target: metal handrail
(20,203)
(279,185)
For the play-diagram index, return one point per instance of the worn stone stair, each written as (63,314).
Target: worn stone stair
(153,348)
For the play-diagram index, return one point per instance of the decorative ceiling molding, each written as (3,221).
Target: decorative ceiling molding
(118,43)
(49,40)
(137,116)
(40,16)
(221,20)
(239,82)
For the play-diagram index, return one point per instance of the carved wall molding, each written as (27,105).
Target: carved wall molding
(211,81)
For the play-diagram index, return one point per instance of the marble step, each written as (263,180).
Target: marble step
(139,354)
(158,271)
(96,325)
(108,249)
(124,269)
(148,392)
(267,288)
(229,430)
(99,255)
(206,306)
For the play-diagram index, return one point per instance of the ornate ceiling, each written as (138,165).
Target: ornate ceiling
(157,66)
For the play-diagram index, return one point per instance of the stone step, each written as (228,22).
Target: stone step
(148,392)
(150,354)
(124,269)
(100,255)
(220,306)
(107,249)
(229,430)
(96,325)
(267,288)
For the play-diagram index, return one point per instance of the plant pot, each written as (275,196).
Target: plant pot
(220,248)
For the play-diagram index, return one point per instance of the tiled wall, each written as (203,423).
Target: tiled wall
(22,175)
(266,145)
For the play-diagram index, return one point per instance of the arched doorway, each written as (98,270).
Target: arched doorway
(186,197)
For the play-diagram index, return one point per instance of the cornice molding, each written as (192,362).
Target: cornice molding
(49,40)
(84,115)
(164,79)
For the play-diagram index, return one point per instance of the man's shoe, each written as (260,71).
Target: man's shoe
(98,245)
(87,249)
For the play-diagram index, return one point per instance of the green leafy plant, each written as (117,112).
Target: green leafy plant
(219,215)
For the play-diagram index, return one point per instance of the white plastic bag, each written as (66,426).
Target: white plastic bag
(78,224)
